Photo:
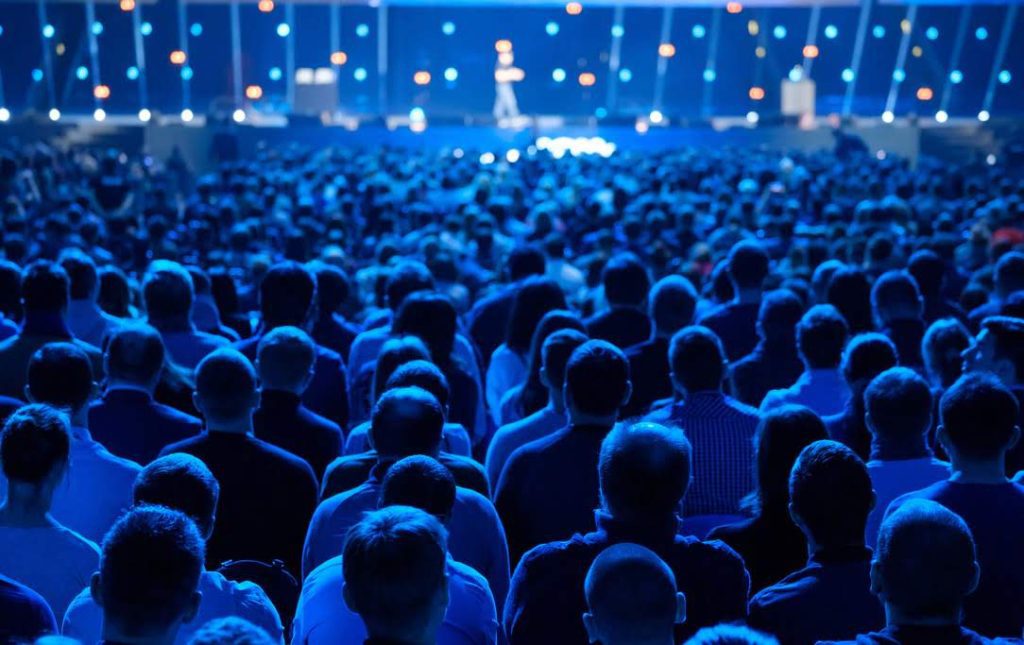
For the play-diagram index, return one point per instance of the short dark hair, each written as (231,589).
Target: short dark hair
(644,470)
(405,278)
(421,482)
(597,377)
(1008,333)
(942,346)
(899,403)
(287,294)
(556,351)
(45,286)
(673,300)
(978,415)
(81,272)
(926,559)
(631,593)
(150,568)
(35,440)
(182,482)
(782,434)
(726,634)
(431,317)
(1009,272)
(748,264)
(821,335)
(849,291)
(60,374)
(779,314)
(167,290)
(895,292)
(135,353)
(393,354)
(868,355)
(525,260)
(407,421)
(831,491)
(230,630)
(424,375)
(332,286)
(284,357)
(928,270)
(225,380)
(393,564)
(625,280)
(697,358)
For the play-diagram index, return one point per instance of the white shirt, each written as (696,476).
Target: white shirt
(893,478)
(824,391)
(53,561)
(507,370)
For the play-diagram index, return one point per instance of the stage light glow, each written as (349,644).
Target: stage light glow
(656,117)
(512,155)
(54,114)
(284,30)
(577,146)
(146,28)
(127,5)
(82,72)
(359,74)
(99,114)
(458,153)
(848,75)
(60,49)
(625,75)
(5,115)
(931,33)
(906,26)
(709,75)
(558,75)
(417,114)
(253,92)
(796,74)
(145,115)
(753,28)
(238,115)
(899,75)
(421,77)
(486,158)
(418,126)
(362,30)
(451,74)
(618,31)
(601,112)
(699,31)
(196,29)
(753,117)
(831,32)
(339,58)
(503,46)
(981,33)
(925,93)
(187,73)
(1005,77)
(275,73)
(984,116)
(733,7)
(888,116)
(779,32)
(878,31)
(101,92)
(187,115)
(448,28)
(97,28)
(178,57)
(48,31)
(810,51)
(760,52)
(941,116)
(666,50)
(37,75)
(756,93)
(990,159)
(552,28)
(265,6)
(574,8)
(916,51)
(587,79)
(956,77)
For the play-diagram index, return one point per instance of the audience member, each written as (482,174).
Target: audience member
(736,322)
(899,310)
(86,321)
(929,271)
(330,329)
(849,291)
(1008,279)
(625,323)
(774,363)
(730,635)
(866,356)
(169,296)
(230,631)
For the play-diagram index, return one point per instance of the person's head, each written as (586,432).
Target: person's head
(895,296)
(672,303)
(1009,274)
(849,291)
(134,355)
(644,471)
(34,448)
(998,349)
(929,272)
(424,375)
(406,421)
(535,297)
(82,275)
(781,435)
(394,570)
(867,356)
(332,287)
(148,579)
(942,349)
(394,353)
(821,336)
(227,391)
(421,482)
(747,265)
(287,295)
(524,261)
(596,382)
(167,292)
(182,482)
(822,277)
(431,317)
(898,407)
(725,634)
(778,317)
(625,281)
(978,419)
(45,288)
(230,630)
(697,359)
(632,598)
(555,353)
(924,564)
(285,358)
(60,374)
(406,278)
(830,495)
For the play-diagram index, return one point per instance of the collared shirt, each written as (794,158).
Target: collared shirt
(546,598)
(24,614)
(221,598)
(475,534)
(721,431)
(513,436)
(822,390)
(129,423)
(454,440)
(829,598)
(894,477)
(322,617)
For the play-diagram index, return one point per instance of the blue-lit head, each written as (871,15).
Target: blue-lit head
(956,76)
(359,74)
(82,72)
(275,73)
(625,75)
(878,31)
(146,28)
(931,33)
(451,74)
(981,33)
(132,73)
(97,28)
(48,31)
(448,28)
(362,30)
(552,28)
(699,31)
(831,32)
(558,75)
(196,29)
(779,32)
(710,76)
(847,75)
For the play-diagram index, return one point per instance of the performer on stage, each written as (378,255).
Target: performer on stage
(505,74)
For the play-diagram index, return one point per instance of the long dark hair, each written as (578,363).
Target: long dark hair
(536,297)
(780,437)
(533,396)
(431,317)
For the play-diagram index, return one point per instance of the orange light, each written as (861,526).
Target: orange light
(101,92)
(734,7)
(925,94)
(266,6)
(574,8)
(666,50)
(756,93)
(421,77)
(178,57)
(810,51)
(587,79)
(253,92)
(127,5)
(760,52)
(339,58)
(503,46)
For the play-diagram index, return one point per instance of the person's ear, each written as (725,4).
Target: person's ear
(975,576)
(793,515)
(1014,438)
(875,576)
(943,438)
(197,401)
(346,595)
(544,377)
(28,394)
(591,627)
(680,608)
(193,607)
(96,589)
(254,402)
(629,393)
(874,500)
(94,391)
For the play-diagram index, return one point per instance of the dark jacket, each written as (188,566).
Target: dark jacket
(130,424)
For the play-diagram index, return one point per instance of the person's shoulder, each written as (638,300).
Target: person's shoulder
(550,554)
(211,340)
(470,579)
(242,593)
(79,546)
(185,445)
(310,418)
(16,594)
(781,592)
(91,350)
(114,462)
(287,460)
(472,499)
(326,354)
(713,549)
(461,462)
(741,408)
(173,414)
(538,449)
(933,492)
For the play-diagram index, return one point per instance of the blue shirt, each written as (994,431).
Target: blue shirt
(322,617)
(24,615)
(920,635)
(513,436)
(894,477)
(129,423)
(454,440)
(721,431)
(736,324)
(187,347)
(822,390)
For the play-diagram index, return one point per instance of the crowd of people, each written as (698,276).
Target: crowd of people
(410,397)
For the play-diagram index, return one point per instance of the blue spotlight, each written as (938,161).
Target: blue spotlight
(625,75)
(848,75)
(831,32)
(82,72)
(552,28)
(558,75)
(931,33)
(186,73)
(601,112)
(448,28)
(48,31)
(284,30)
(618,31)
(146,28)
(359,74)
(37,75)
(899,75)
(956,77)
(362,30)
(97,28)
(1,30)
(779,32)
(878,31)
(981,33)
(699,31)
(710,76)
(417,114)
(796,74)
(275,73)
(451,74)
(196,29)
(1005,77)
(132,73)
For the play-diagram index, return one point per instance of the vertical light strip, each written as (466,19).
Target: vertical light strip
(289,54)
(812,36)
(236,52)
(335,31)
(712,62)
(901,61)
(954,59)
(186,83)
(615,58)
(47,56)
(659,81)
(1004,43)
(140,54)
(382,58)
(858,54)
(94,58)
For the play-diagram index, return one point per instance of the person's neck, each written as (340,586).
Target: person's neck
(896,618)
(890,449)
(80,418)
(977,471)
(113,634)
(556,400)
(49,323)
(427,637)
(282,389)
(815,548)
(747,295)
(27,505)
(578,418)
(236,426)
(122,384)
